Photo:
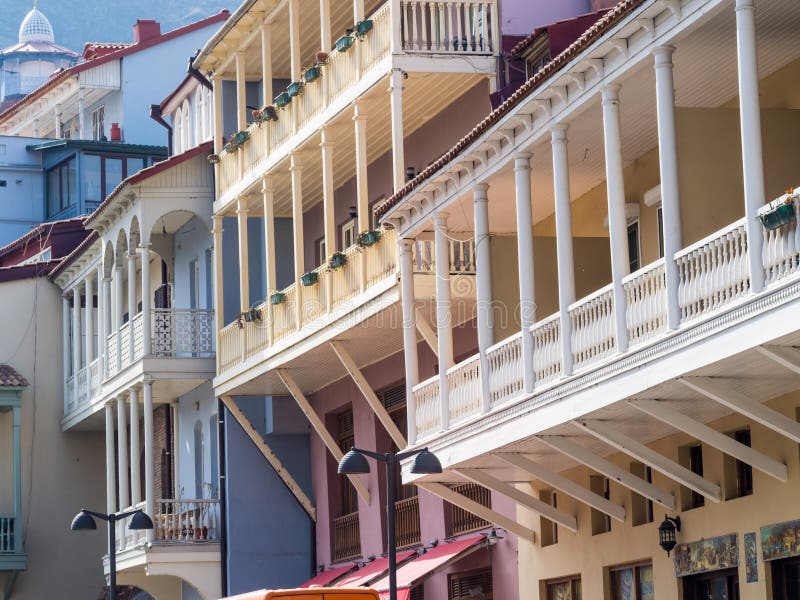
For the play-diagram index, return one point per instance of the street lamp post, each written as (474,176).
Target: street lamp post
(355,463)
(84,521)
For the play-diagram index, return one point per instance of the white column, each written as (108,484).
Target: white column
(118,311)
(398,156)
(136,490)
(76,330)
(358,10)
(57,124)
(409,333)
(397,31)
(89,315)
(297,216)
(566,267)
(483,275)
(81,117)
(244,261)
(219,268)
(147,332)
(268,197)
(122,454)
(149,465)
(527,299)
(132,309)
(111,489)
(362,194)
(668,165)
(444,322)
(266,63)
(750,117)
(294,39)
(617,224)
(108,311)
(65,338)
(241,92)
(325,25)
(218,131)
(329,215)
(101,330)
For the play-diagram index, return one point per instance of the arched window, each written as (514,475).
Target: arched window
(177,133)
(199,452)
(187,126)
(200,113)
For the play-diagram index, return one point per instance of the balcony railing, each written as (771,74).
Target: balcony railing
(461,254)
(407,530)
(449,26)
(712,276)
(8,539)
(346,538)
(81,388)
(186,521)
(301,306)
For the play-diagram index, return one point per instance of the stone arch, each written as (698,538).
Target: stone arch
(108,259)
(135,234)
(121,249)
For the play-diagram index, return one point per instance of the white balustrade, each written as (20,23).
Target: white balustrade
(311,102)
(125,352)
(713,272)
(313,297)
(70,400)
(381,257)
(593,327)
(186,521)
(505,369)
(82,386)
(460,252)
(283,314)
(111,350)
(646,296)
(341,72)
(95,376)
(129,538)
(280,130)
(138,336)
(255,149)
(449,26)
(547,349)
(228,346)
(256,332)
(426,398)
(228,170)
(464,382)
(781,251)
(345,280)
(376,44)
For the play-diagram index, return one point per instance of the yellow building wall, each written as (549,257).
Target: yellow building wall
(590,556)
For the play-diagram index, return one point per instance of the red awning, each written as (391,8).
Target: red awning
(324,578)
(403,594)
(415,571)
(370,571)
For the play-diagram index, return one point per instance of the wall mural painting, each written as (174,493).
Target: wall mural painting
(712,554)
(780,540)
(750,557)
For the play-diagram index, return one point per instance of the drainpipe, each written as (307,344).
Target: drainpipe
(223,493)
(197,74)
(155,114)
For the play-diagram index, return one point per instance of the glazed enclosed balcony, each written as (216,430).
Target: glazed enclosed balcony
(12,551)
(304,70)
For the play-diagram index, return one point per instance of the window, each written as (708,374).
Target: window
(348,234)
(472,585)
(102,173)
(785,577)
(346,442)
(567,588)
(633,245)
(177,133)
(98,123)
(187,127)
(548,528)
(719,585)
(641,507)
(114,173)
(62,187)
(321,254)
(213,432)
(660,217)
(209,278)
(691,457)
(632,583)
(738,475)
(194,283)
(462,521)
(601,522)
(198,459)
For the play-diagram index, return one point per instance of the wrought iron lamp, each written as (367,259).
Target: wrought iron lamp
(667,537)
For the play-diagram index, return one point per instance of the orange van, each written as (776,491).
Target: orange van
(310,594)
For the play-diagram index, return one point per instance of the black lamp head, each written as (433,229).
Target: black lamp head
(667,537)
(492,537)
(353,463)
(140,520)
(83,521)
(353,212)
(426,463)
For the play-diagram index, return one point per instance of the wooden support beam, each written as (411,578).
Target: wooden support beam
(477,509)
(650,457)
(481,477)
(727,395)
(366,390)
(563,484)
(601,465)
(786,356)
(272,459)
(320,428)
(712,437)
(427,331)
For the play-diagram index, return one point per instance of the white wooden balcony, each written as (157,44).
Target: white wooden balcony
(714,280)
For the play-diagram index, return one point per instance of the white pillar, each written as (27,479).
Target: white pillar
(750,117)
(118,311)
(100,350)
(362,194)
(527,299)
(617,224)
(358,10)
(266,63)
(111,485)
(268,198)
(409,333)
(122,454)
(218,130)
(81,117)
(65,338)
(107,313)
(483,274)
(668,165)
(329,215)
(132,309)
(398,156)
(566,267)
(89,315)
(325,25)
(297,216)
(294,39)
(147,332)
(219,271)
(57,119)
(136,490)
(76,330)
(444,317)
(244,260)
(149,465)
(241,92)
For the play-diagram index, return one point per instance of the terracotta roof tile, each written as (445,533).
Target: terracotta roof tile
(9,378)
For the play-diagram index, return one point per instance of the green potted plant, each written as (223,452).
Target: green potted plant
(295,88)
(312,73)
(213,158)
(252,316)
(778,212)
(344,43)
(363,27)
(368,237)
(277,298)
(309,279)
(268,113)
(283,99)
(240,137)
(231,147)
(337,260)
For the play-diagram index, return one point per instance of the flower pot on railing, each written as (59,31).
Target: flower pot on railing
(213,159)
(363,27)
(277,298)
(240,137)
(312,74)
(231,147)
(337,260)
(778,212)
(368,238)
(321,58)
(344,43)
(282,100)
(252,316)
(268,113)
(295,88)
(309,279)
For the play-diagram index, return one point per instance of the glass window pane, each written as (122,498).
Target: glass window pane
(92,191)
(72,187)
(53,192)
(646,583)
(134,165)
(622,584)
(113,173)
(64,186)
